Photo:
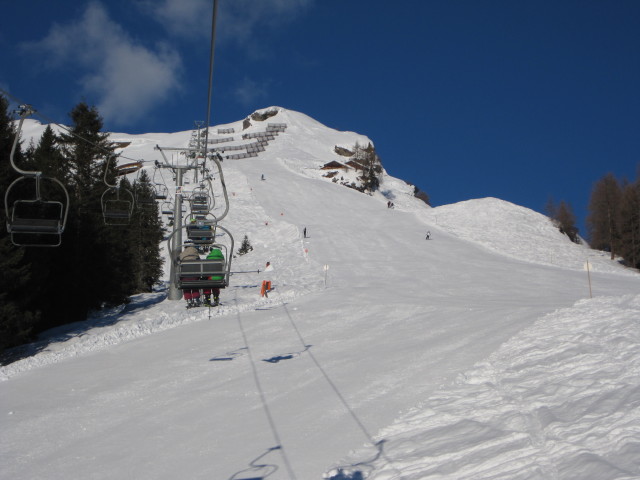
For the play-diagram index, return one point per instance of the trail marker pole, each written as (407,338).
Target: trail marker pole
(588,277)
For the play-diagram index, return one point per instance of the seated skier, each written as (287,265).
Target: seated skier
(192,296)
(214,254)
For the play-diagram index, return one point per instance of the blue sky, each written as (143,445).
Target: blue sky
(520,100)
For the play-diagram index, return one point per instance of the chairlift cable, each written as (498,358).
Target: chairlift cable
(379,444)
(210,87)
(263,398)
(68,130)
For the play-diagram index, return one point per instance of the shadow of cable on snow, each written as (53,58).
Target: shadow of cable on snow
(257,471)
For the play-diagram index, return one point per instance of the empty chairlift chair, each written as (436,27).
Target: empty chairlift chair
(117,206)
(36,206)
(117,203)
(167,208)
(38,221)
(162,192)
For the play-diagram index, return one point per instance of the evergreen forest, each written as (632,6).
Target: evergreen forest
(96,265)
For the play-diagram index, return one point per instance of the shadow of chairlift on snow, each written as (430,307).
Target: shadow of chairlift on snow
(286,356)
(360,470)
(257,471)
(228,356)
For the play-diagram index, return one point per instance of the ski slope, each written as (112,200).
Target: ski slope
(477,354)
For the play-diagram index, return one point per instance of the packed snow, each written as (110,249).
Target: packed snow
(488,351)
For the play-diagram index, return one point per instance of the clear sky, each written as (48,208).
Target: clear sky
(516,99)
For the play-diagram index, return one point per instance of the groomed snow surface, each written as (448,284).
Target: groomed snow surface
(476,354)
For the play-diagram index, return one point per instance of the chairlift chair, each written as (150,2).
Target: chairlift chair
(162,192)
(38,221)
(145,202)
(116,210)
(205,273)
(200,201)
(167,208)
(201,230)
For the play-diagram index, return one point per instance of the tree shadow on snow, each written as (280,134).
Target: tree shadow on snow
(99,318)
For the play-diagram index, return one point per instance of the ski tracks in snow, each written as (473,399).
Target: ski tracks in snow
(558,401)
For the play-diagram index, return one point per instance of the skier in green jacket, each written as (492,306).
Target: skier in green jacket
(214,254)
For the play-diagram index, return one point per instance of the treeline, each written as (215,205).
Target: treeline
(613,221)
(96,265)
(614,218)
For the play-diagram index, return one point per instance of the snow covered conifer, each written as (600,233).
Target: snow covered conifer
(245,247)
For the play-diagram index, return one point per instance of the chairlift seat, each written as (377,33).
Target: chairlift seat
(36,216)
(117,213)
(207,273)
(35,225)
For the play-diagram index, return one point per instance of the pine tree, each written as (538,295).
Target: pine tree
(566,221)
(563,218)
(18,319)
(146,234)
(245,247)
(92,247)
(48,265)
(48,158)
(367,159)
(630,223)
(604,215)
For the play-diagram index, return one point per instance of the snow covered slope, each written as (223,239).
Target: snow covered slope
(475,354)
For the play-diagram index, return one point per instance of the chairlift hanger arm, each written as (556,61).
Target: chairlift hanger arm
(25,111)
(216,159)
(166,160)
